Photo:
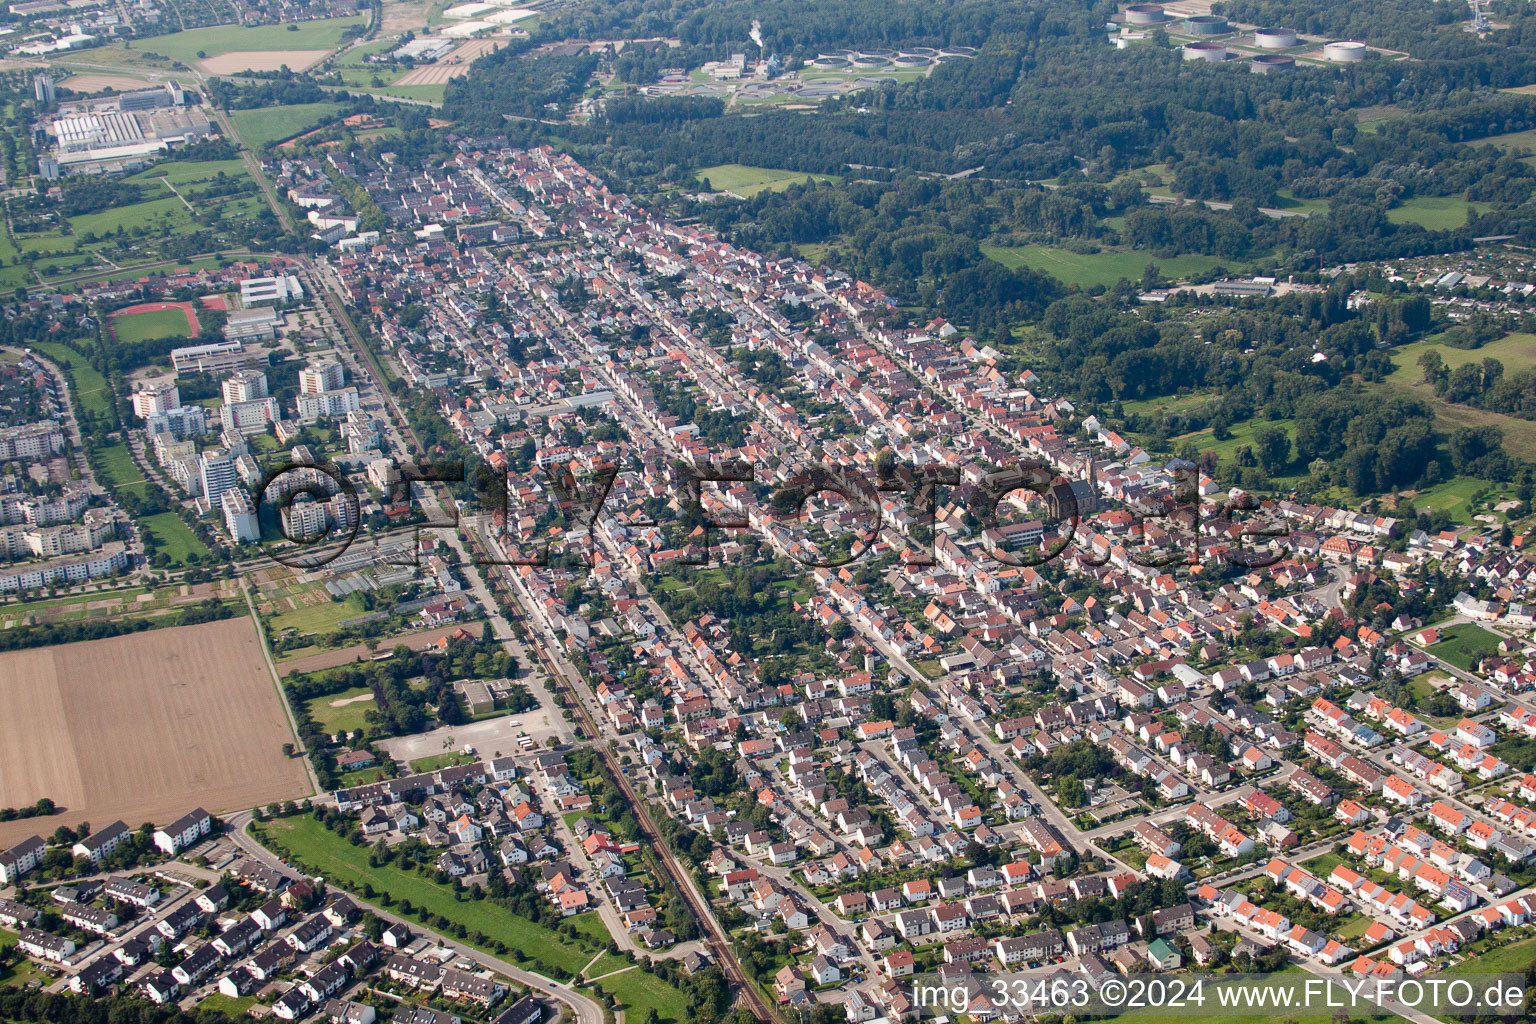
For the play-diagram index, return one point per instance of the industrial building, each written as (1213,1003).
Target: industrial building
(130,128)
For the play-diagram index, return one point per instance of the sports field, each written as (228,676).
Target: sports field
(154,320)
(142,727)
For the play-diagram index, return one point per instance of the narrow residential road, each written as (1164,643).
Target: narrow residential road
(585,1009)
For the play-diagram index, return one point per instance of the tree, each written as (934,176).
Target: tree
(1432,365)
(1070,792)
(1273,447)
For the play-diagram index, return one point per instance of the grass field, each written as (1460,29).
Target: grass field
(111,603)
(324,852)
(1437,213)
(1516,956)
(219,39)
(175,540)
(638,991)
(1451,498)
(322,617)
(91,390)
(1516,351)
(1512,141)
(749,181)
(117,468)
(1242,434)
(439,761)
(1458,642)
(20,972)
(160,323)
(226,1005)
(257,128)
(1105,267)
(128,727)
(343,711)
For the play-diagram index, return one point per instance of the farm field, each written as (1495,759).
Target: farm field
(1516,351)
(159,323)
(326,853)
(1437,213)
(1105,267)
(259,127)
(205,44)
(130,727)
(1515,956)
(749,181)
(315,659)
(1511,141)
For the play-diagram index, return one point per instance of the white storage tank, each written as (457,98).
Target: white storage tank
(1275,38)
(1344,50)
(1145,14)
(1205,51)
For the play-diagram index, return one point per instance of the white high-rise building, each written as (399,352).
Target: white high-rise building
(322,375)
(306,519)
(217,470)
(239,520)
(154,399)
(245,386)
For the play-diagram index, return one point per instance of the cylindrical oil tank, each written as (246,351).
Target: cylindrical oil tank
(1344,50)
(1206,25)
(1145,14)
(1275,38)
(1264,63)
(1205,51)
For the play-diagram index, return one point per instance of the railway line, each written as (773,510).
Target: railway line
(698,907)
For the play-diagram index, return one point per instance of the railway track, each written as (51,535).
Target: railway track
(698,907)
(714,935)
